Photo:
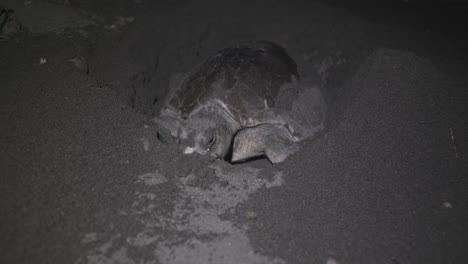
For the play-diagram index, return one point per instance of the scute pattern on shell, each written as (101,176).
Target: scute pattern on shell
(246,77)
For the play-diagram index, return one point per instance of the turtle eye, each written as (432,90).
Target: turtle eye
(213,139)
(211,142)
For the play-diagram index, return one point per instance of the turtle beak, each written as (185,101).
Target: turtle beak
(188,150)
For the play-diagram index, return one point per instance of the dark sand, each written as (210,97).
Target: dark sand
(86,178)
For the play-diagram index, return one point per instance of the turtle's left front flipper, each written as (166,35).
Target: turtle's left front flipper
(270,140)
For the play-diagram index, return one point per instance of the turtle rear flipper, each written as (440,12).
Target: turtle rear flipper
(273,141)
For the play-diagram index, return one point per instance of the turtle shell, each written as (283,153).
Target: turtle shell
(246,77)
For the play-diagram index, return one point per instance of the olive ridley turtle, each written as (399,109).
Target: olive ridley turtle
(244,102)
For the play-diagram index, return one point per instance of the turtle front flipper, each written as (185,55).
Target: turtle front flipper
(273,141)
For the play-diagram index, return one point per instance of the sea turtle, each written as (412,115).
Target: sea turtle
(234,105)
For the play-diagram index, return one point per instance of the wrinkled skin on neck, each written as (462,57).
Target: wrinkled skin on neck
(206,132)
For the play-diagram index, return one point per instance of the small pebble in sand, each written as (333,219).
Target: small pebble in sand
(152,178)
(250,215)
(447,205)
(89,237)
(80,63)
(146,144)
(42,60)
(120,22)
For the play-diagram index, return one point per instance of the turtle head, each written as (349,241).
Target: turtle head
(205,136)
